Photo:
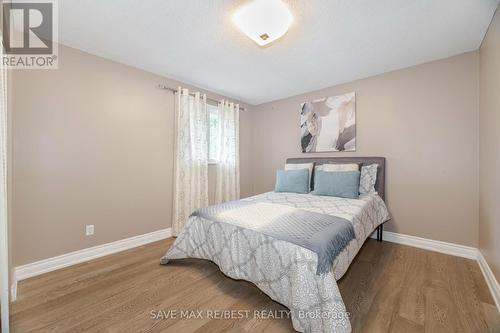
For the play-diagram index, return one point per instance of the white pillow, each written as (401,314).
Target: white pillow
(367,179)
(334,167)
(296,166)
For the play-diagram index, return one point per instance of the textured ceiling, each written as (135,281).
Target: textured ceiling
(330,41)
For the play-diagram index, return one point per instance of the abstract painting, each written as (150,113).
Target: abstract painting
(329,124)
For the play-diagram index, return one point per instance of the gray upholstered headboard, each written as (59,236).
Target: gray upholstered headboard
(379,185)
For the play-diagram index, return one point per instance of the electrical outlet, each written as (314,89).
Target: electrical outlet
(89,229)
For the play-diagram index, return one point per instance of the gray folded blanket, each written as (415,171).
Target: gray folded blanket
(326,235)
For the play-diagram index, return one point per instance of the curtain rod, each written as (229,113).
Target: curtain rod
(162,86)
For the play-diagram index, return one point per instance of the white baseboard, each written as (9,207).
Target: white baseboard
(451,249)
(431,245)
(491,281)
(76,257)
(13,291)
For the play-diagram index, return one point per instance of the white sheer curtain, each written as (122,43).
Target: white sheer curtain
(4,256)
(191,157)
(227,186)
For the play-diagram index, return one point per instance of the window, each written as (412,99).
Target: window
(213,133)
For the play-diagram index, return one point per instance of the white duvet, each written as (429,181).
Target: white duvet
(285,271)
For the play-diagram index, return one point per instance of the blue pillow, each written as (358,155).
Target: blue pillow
(343,184)
(296,181)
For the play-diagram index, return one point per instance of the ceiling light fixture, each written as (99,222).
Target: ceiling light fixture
(263,21)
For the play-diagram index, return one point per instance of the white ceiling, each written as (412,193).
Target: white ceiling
(330,41)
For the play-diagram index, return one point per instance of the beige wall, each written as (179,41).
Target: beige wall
(423,120)
(489,152)
(92,144)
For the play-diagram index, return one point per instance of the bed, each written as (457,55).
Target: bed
(286,272)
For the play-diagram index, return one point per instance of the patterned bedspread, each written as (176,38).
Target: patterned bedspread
(324,234)
(284,271)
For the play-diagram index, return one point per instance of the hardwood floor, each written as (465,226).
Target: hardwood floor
(388,288)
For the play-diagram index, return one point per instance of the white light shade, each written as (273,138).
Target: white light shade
(264,21)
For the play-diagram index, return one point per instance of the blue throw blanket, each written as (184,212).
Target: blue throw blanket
(326,235)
